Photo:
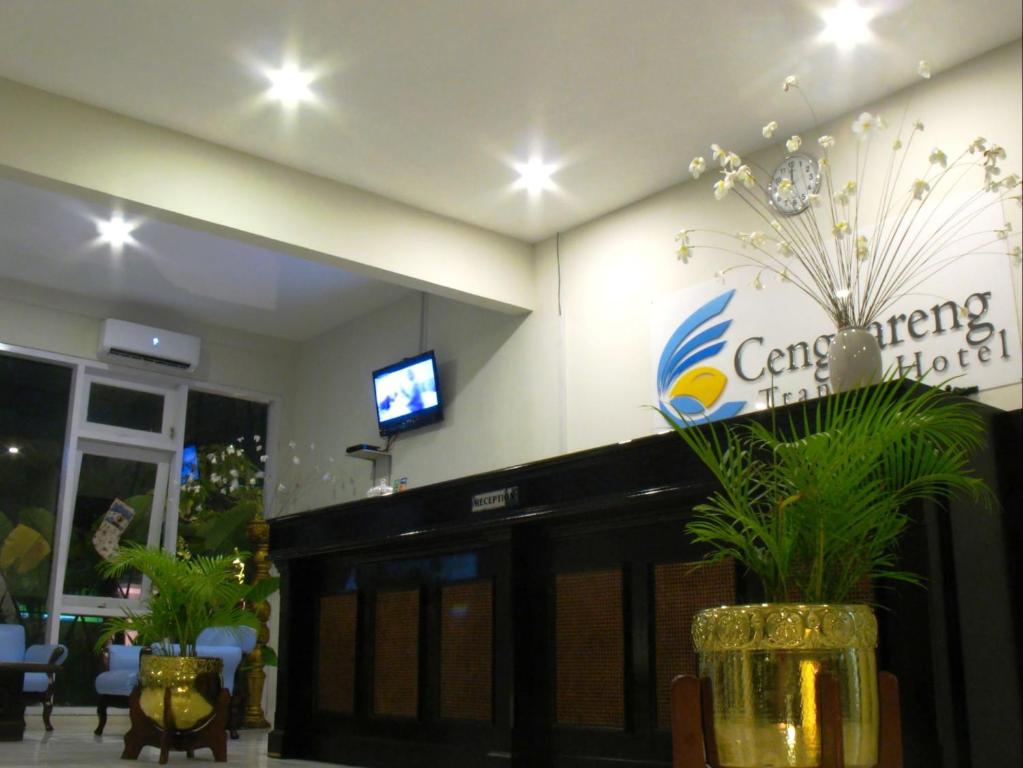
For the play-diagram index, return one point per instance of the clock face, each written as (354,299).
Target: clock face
(803,173)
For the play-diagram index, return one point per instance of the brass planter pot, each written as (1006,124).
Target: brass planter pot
(194,683)
(762,660)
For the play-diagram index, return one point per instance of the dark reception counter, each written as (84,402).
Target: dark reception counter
(535,616)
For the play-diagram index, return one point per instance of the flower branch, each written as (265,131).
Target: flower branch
(855,270)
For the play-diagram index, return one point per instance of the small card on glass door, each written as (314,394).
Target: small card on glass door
(107,538)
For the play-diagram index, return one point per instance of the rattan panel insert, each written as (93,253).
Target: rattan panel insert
(396,654)
(590,653)
(467,650)
(336,681)
(680,590)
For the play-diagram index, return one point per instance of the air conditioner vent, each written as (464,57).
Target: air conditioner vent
(116,352)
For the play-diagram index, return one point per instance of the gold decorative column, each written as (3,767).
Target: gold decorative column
(258,532)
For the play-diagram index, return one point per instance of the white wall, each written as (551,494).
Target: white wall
(58,139)
(518,388)
(55,321)
(498,377)
(523,389)
(614,267)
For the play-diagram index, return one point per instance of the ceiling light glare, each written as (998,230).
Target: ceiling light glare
(13,450)
(535,176)
(846,25)
(290,85)
(116,232)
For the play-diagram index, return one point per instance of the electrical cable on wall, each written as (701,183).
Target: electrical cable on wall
(422,321)
(557,255)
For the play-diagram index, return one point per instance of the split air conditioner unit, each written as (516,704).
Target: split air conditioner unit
(146,347)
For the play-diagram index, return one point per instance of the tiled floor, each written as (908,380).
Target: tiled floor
(73,745)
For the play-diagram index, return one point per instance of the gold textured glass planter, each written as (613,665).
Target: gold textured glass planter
(762,660)
(194,683)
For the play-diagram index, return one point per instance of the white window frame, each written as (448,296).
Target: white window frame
(83,372)
(170,428)
(91,605)
(104,439)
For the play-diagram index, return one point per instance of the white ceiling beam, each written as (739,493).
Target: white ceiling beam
(62,141)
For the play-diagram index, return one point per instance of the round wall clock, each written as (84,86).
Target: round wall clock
(804,173)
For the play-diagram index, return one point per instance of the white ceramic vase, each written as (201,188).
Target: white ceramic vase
(854,359)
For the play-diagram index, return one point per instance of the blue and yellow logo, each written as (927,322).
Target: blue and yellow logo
(689,390)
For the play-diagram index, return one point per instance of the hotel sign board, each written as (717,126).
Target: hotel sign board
(724,348)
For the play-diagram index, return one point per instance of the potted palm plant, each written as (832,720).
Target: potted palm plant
(188,596)
(813,506)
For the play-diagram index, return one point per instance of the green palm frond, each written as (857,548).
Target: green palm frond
(188,596)
(814,505)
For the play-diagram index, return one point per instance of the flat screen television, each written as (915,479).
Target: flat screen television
(407,394)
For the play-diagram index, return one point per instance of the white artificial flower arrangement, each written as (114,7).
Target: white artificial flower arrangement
(855,267)
(224,476)
(299,475)
(227,491)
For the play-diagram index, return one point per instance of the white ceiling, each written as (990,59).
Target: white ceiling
(431,102)
(172,272)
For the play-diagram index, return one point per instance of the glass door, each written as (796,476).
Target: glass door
(126,448)
(91,458)
(120,497)
(127,445)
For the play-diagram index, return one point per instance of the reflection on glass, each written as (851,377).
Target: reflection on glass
(75,684)
(212,423)
(459,567)
(446,568)
(128,408)
(352,583)
(113,506)
(34,401)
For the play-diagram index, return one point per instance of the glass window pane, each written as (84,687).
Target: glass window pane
(76,682)
(34,401)
(221,420)
(128,408)
(113,506)
(211,522)
(463,566)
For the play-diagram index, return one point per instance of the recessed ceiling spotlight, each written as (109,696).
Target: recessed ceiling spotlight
(847,24)
(290,85)
(116,232)
(535,176)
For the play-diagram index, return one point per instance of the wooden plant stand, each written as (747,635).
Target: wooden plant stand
(692,724)
(144,733)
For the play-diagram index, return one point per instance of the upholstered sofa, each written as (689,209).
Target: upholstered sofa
(38,686)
